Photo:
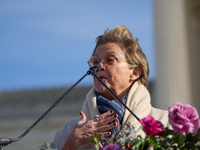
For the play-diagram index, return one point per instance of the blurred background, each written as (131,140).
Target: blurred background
(45,46)
(47,43)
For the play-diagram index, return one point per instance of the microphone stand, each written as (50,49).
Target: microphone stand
(93,73)
(4,141)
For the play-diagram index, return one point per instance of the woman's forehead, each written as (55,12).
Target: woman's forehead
(107,49)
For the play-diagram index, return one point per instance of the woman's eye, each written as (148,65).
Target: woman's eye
(109,59)
(95,62)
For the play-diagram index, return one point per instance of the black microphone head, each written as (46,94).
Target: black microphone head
(94,69)
(98,67)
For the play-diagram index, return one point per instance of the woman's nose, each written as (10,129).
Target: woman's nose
(102,65)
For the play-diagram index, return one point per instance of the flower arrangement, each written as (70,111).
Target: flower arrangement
(185,135)
(184,120)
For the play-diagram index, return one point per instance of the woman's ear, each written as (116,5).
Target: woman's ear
(136,72)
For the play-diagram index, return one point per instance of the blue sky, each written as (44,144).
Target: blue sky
(47,43)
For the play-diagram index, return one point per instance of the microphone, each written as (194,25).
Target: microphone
(97,68)
(170,131)
(93,73)
(4,141)
(94,69)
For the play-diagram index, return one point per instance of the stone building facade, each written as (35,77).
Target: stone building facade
(177,27)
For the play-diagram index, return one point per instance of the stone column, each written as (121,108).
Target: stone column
(193,35)
(173,80)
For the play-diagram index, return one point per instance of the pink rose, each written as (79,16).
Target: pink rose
(184,118)
(111,146)
(152,127)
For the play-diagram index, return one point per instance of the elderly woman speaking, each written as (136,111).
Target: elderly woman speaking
(124,69)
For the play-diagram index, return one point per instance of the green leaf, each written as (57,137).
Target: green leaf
(181,140)
(168,141)
(97,146)
(166,132)
(138,143)
(198,133)
(96,141)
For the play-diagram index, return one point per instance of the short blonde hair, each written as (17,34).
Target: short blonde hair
(121,36)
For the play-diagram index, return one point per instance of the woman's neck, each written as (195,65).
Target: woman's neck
(110,96)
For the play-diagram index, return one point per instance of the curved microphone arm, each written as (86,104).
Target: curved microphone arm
(4,141)
(93,73)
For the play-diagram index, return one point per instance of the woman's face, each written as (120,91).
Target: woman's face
(116,76)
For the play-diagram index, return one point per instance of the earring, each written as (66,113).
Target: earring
(131,78)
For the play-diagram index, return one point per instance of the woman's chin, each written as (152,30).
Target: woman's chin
(100,89)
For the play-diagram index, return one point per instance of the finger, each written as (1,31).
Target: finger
(102,135)
(105,115)
(107,127)
(102,116)
(107,120)
(83,118)
(105,134)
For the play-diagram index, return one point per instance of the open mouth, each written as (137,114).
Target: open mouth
(102,77)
